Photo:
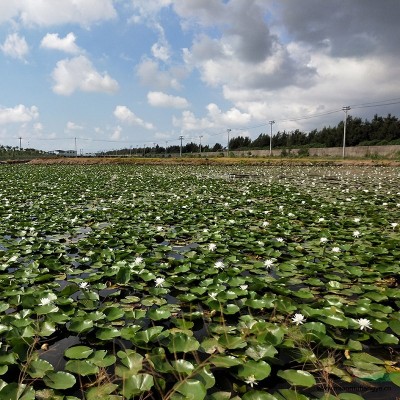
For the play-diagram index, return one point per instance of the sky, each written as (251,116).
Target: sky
(111,74)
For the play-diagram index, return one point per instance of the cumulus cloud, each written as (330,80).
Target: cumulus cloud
(241,57)
(50,12)
(147,9)
(72,126)
(160,51)
(150,75)
(352,29)
(117,132)
(18,114)
(125,115)
(78,73)
(54,42)
(160,99)
(15,46)
(215,118)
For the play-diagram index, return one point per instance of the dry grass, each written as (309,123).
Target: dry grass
(214,161)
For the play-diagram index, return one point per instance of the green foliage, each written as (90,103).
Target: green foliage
(176,282)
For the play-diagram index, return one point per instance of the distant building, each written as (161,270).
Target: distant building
(64,153)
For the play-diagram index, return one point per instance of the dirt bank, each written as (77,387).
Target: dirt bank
(212,161)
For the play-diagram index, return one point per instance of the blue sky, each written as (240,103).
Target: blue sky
(121,73)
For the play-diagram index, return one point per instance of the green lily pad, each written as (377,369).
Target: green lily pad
(190,389)
(258,369)
(59,380)
(258,395)
(78,352)
(39,368)
(297,377)
(81,367)
(137,384)
(180,342)
(101,392)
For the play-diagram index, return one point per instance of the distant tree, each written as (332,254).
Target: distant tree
(239,143)
(217,147)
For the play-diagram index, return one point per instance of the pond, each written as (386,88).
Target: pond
(175,282)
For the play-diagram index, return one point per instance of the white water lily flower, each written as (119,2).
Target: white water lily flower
(159,228)
(298,319)
(269,263)
(356,234)
(321,219)
(159,282)
(251,380)
(219,265)
(138,260)
(212,246)
(364,323)
(279,239)
(393,224)
(323,240)
(244,287)
(83,285)
(356,220)
(265,223)
(213,295)
(44,301)
(336,249)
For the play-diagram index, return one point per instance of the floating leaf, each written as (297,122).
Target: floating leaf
(191,389)
(297,377)
(78,352)
(81,367)
(39,368)
(137,384)
(180,342)
(59,380)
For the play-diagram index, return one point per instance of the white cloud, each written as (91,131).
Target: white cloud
(18,114)
(160,51)
(149,74)
(72,126)
(66,44)
(147,9)
(78,73)
(116,135)
(159,99)
(51,12)
(215,119)
(125,115)
(15,46)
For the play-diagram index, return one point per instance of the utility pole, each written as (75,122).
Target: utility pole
(200,144)
(270,139)
(180,149)
(20,143)
(166,145)
(229,131)
(76,149)
(345,109)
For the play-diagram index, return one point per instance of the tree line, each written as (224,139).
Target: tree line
(378,131)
